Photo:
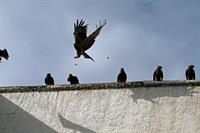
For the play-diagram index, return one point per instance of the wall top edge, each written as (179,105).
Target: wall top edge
(99,86)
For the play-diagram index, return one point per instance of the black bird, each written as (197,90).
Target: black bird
(190,73)
(49,79)
(158,74)
(73,79)
(4,54)
(82,41)
(122,76)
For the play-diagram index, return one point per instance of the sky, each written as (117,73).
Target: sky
(138,36)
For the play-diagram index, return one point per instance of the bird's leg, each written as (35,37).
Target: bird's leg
(101,24)
(78,54)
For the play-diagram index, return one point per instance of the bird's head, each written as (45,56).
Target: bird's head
(75,33)
(122,70)
(159,67)
(191,66)
(70,75)
(48,74)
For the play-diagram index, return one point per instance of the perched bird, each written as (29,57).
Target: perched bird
(158,74)
(73,79)
(190,73)
(4,54)
(49,79)
(122,76)
(82,41)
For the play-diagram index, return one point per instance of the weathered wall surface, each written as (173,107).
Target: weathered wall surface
(142,107)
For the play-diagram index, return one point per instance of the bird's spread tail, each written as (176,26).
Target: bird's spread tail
(87,56)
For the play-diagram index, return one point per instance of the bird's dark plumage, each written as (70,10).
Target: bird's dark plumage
(158,74)
(190,73)
(122,76)
(49,79)
(4,54)
(73,79)
(82,41)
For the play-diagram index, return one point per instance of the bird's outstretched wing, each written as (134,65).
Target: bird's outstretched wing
(80,31)
(89,41)
(4,54)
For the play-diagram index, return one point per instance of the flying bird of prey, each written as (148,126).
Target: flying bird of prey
(122,76)
(158,74)
(4,54)
(73,79)
(49,79)
(82,41)
(190,73)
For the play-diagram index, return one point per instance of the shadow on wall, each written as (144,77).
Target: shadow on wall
(13,119)
(69,125)
(156,92)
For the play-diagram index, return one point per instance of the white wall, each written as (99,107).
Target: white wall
(167,109)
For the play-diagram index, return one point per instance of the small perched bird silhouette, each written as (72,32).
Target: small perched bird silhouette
(158,74)
(4,54)
(73,79)
(49,79)
(82,41)
(190,73)
(122,76)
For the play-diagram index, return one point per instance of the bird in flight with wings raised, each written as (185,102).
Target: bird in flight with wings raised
(82,41)
(4,54)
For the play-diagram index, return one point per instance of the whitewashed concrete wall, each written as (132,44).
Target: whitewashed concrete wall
(164,109)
